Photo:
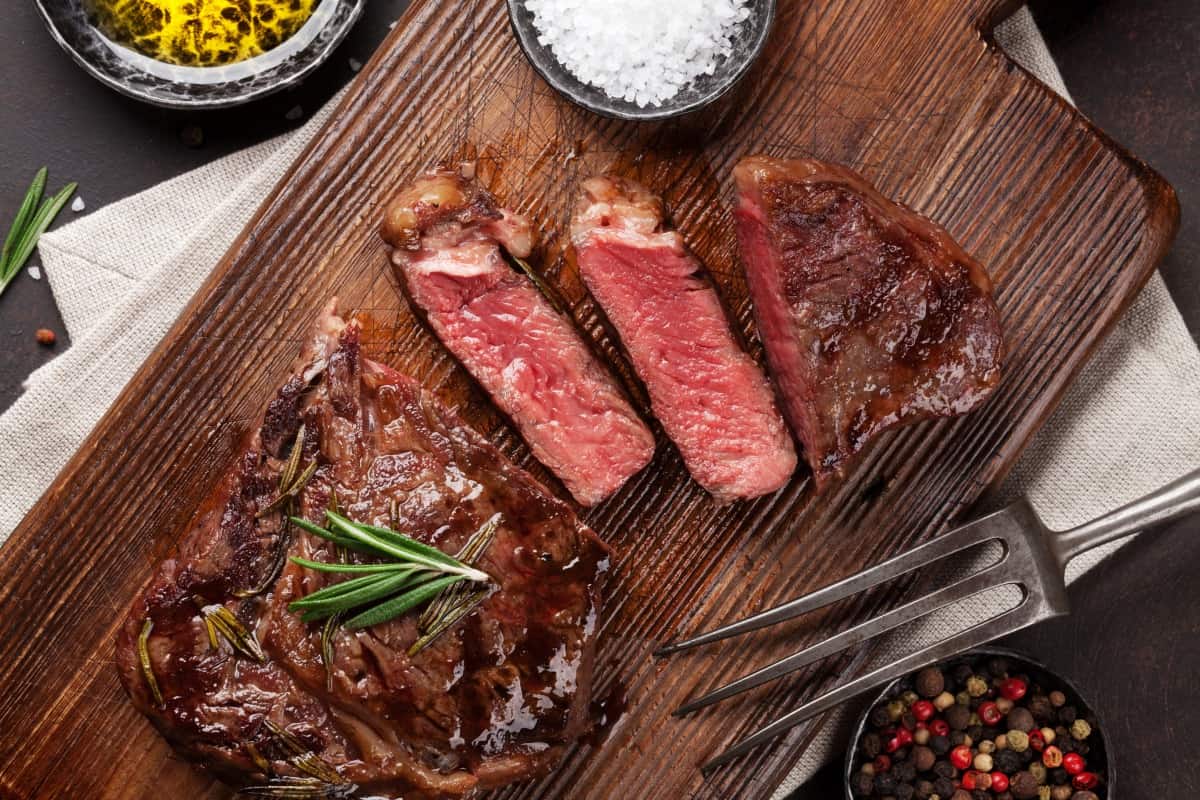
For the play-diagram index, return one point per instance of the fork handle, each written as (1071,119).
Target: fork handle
(1176,499)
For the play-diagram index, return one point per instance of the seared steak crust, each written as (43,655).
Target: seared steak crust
(494,699)
(872,315)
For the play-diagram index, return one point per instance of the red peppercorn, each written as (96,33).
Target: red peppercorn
(999,782)
(1052,757)
(922,710)
(1036,740)
(905,736)
(1074,763)
(989,712)
(1013,689)
(961,757)
(939,727)
(1085,780)
(882,763)
(968,781)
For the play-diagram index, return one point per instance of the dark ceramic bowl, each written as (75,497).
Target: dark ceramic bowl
(749,44)
(175,86)
(1099,758)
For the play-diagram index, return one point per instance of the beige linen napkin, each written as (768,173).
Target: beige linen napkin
(122,274)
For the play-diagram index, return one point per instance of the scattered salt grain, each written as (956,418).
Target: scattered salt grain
(77,204)
(355,65)
(640,51)
(35,272)
(294,113)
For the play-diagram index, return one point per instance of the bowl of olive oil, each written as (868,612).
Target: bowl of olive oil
(199,53)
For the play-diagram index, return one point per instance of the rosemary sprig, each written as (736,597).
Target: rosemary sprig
(304,759)
(143,646)
(416,573)
(33,218)
(456,601)
(300,789)
(220,620)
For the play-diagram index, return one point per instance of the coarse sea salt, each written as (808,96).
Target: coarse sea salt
(640,51)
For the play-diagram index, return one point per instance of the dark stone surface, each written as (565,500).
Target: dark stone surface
(1132,65)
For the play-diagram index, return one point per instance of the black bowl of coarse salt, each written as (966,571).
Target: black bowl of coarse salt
(642,59)
(991,724)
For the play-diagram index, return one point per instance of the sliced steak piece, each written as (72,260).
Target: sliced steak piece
(448,232)
(712,399)
(872,316)
(494,699)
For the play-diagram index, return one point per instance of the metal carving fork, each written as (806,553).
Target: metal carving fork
(1034,560)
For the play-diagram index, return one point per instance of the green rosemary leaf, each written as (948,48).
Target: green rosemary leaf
(402,547)
(143,646)
(24,214)
(321,566)
(399,605)
(330,536)
(357,592)
(292,466)
(27,238)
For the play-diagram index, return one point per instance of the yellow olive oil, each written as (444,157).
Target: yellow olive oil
(200,33)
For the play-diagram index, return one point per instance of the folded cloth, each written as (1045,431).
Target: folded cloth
(121,276)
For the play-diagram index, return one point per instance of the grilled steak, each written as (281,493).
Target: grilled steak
(496,698)
(872,316)
(448,232)
(712,399)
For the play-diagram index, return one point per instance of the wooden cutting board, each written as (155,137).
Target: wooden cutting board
(910,92)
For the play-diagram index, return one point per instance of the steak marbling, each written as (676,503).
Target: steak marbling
(871,315)
(711,397)
(494,699)
(448,232)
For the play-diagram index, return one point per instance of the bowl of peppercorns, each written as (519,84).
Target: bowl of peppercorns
(991,724)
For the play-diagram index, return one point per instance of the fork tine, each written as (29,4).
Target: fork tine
(922,556)
(1016,618)
(992,575)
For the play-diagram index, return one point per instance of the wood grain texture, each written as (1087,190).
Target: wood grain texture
(907,91)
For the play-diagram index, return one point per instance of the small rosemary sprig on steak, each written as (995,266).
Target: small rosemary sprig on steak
(415,574)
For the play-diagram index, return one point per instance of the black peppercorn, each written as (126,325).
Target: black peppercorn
(872,745)
(1004,796)
(961,673)
(943,787)
(1084,796)
(930,682)
(944,769)
(1006,761)
(1020,719)
(923,759)
(923,790)
(904,791)
(975,732)
(940,745)
(1058,776)
(885,783)
(980,794)
(998,667)
(961,794)
(879,717)
(958,717)
(1039,706)
(862,785)
(905,772)
(1023,786)
(1067,715)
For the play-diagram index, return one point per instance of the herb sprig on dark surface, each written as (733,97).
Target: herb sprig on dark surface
(414,574)
(33,218)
